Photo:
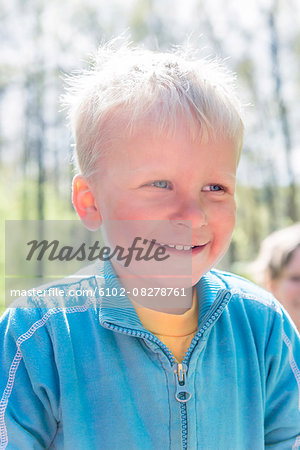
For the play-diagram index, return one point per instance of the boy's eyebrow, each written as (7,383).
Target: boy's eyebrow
(144,170)
(230,174)
(162,172)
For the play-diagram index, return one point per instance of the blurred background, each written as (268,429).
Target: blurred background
(43,40)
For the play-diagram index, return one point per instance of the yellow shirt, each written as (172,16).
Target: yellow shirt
(175,331)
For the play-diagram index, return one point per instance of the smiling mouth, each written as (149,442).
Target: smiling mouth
(182,247)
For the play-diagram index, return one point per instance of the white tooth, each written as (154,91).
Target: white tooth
(187,247)
(179,247)
(171,245)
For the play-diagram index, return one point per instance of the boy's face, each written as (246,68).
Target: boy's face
(187,186)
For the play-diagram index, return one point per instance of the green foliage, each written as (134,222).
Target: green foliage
(18,202)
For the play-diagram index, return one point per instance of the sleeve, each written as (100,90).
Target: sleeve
(282,407)
(29,410)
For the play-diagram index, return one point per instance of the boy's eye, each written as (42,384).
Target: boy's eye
(213,188)
(163,184)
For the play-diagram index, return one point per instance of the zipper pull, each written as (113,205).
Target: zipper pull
(180,371)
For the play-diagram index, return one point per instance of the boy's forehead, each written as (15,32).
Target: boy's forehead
(142,139)
(146,143)
(151,130)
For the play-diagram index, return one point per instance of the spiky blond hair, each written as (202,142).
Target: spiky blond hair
(127,85)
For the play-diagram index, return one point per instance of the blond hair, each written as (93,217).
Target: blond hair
(127,85)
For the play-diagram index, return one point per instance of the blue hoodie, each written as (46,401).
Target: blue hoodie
(83,372)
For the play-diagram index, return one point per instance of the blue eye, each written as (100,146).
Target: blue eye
(162,184)
(213,188)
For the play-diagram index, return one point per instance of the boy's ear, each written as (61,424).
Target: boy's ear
(84,203)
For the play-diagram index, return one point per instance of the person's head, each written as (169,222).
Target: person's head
(278,268)
(158,138)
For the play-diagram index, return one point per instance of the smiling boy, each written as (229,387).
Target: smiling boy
(213,365)
(148,177)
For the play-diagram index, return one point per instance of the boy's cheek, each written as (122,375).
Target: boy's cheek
(222,230)
(131,211)
(223,215)
(231,212)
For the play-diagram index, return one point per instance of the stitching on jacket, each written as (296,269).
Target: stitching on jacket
(296,446)
(17,358)
(266,301)
(293,365)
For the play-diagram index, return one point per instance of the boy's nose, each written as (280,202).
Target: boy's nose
(191,214)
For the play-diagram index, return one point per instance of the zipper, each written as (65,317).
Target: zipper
(209,319)
(182,393)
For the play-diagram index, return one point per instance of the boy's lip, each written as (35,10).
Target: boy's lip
(195,248)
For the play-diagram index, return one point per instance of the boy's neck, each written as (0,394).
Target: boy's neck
(156,293)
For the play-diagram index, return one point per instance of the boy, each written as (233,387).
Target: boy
(211,365)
